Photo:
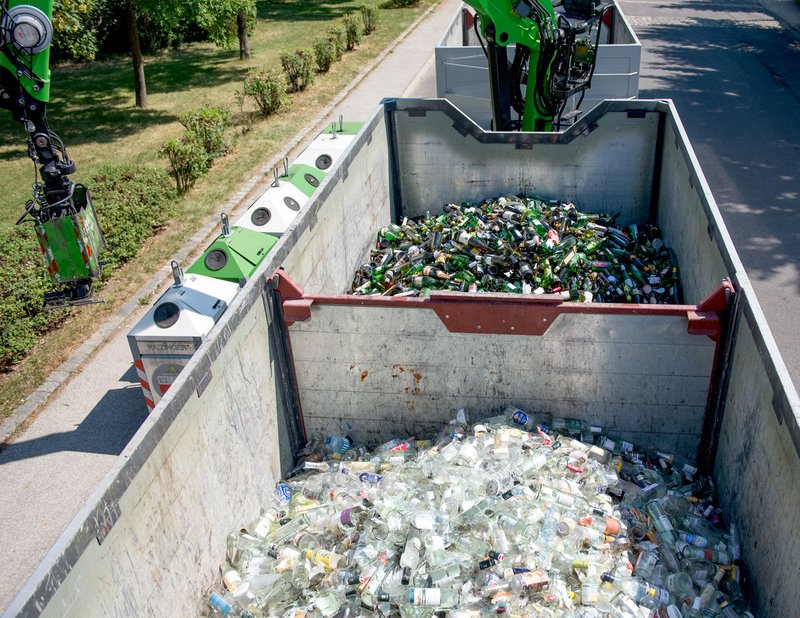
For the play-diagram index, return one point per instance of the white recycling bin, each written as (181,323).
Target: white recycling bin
(275,210)
(325,151)
(164,340)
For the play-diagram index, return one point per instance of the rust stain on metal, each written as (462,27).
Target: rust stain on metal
(364,375)
(417,376)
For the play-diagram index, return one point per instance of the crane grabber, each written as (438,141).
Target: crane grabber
(554,58)
(61,210)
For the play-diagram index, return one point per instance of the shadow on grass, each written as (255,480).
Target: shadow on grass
(90,125)
(93,103)
(327,10)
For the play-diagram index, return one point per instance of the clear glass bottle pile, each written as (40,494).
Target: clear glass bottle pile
(521,245)
(500,517)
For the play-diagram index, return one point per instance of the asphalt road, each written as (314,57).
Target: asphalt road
(733,71)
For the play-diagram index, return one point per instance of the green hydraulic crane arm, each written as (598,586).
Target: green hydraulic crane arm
(531,24)
(31,68)
(61,210)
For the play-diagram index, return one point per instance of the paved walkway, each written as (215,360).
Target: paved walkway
(49,470)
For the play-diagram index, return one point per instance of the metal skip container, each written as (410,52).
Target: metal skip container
(213,450)
(462,78)
(164,340)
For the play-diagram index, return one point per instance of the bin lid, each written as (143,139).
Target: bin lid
(275,210)
(186,311)
(305,177)
(348,127)
(325,151)
(234,257)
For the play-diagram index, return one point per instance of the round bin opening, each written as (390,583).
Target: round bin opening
(291,203)
(324,161)
(216,259)
(312,180)
(261,216)
(166,314)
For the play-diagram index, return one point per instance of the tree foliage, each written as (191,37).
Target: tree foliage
(84,29)
(167,24)
(80,27)
(219,18)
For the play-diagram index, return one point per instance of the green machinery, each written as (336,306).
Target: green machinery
(554,57)
(60,210)
(234,255)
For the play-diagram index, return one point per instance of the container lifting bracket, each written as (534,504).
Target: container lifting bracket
(707,320)
(478,313)
(505,314)
(296,307)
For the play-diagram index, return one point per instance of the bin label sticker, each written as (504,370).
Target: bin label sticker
(164,376)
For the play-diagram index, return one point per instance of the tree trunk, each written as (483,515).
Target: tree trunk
(136,55)
(241,31)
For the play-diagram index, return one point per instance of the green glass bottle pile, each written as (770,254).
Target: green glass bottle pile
(505,515)
(521,245)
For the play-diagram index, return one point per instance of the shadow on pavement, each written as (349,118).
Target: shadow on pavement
(106,430)
(737,90)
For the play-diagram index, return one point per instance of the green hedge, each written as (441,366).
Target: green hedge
(369,14)
(208,124)
(324,54)
(337,35)
(188,160)
(132,204)
(23,284)
(353,29)
(192,155)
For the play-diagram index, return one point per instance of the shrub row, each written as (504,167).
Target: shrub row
(268,87)
(132,203)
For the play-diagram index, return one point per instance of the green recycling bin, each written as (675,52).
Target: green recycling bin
(305,177)
(234,255)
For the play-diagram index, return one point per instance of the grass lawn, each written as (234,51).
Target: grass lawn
(92,109)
